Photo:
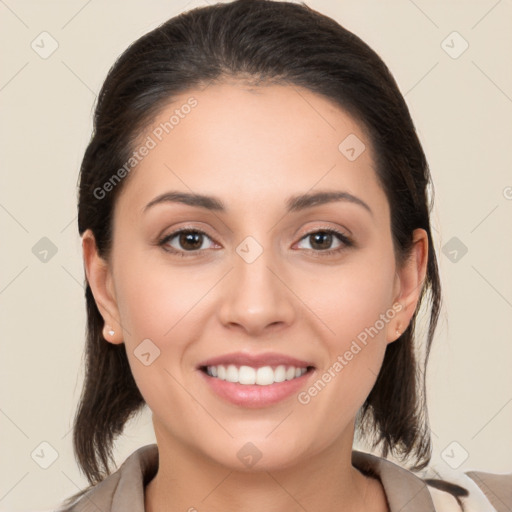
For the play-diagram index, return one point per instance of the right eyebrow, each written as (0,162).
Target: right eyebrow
(202,201)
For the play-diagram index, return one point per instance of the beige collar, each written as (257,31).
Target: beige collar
(124,489)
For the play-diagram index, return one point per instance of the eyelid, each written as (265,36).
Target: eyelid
(330,229)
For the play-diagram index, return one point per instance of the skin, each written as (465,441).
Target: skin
(254,148)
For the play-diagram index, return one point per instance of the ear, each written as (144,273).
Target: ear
(409,281)
(99,277)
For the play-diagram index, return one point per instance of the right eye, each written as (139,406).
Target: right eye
(184,241)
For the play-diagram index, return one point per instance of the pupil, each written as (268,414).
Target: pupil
(321,237)
(190,240)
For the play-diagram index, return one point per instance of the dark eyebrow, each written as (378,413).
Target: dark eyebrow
(294,204)
(301,202)
(208,202)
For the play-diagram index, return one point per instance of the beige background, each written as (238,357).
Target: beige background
(462,108)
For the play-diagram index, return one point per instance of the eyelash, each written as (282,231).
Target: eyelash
(344,239)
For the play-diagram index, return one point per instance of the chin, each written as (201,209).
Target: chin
(257,453)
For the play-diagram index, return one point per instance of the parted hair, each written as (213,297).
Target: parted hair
(258,42)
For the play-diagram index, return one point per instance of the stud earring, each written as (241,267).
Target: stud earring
(111,332)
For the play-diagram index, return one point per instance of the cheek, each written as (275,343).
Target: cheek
(351,298)
(162,310)
(153,314)
(354,303)
(155,299)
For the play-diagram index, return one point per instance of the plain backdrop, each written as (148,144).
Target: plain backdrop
(461,101)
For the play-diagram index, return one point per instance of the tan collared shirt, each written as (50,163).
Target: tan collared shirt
(123,490)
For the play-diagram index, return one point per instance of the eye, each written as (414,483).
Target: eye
(192,241)
(321,241)
(185,240)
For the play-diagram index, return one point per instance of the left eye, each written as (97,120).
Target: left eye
(322,240)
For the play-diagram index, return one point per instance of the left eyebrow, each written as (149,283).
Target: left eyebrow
(301,202)
(293,204)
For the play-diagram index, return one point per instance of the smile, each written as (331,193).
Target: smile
(247,375)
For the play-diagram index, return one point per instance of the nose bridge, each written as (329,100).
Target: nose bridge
(256,297)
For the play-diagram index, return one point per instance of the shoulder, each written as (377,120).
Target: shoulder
(122,490)
(434,490)
(471,491)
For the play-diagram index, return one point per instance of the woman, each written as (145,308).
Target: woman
(254,216)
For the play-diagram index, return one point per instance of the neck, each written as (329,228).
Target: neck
(189,481)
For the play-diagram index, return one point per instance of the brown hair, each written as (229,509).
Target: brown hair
(261,41)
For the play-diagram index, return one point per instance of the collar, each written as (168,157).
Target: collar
(124,489)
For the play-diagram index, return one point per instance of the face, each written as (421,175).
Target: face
(263,279)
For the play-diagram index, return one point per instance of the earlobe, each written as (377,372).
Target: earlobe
(398,333)
(409,282)
(99,277)
(395,330)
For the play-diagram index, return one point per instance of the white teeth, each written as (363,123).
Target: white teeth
(280,374)
(263,376)
(232,373)
(246,375)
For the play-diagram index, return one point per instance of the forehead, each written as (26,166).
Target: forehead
(248,144)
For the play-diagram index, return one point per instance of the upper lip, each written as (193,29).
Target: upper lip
(255,360)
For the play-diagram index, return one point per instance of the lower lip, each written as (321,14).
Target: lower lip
(253,395)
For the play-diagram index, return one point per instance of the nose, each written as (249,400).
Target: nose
(256,298)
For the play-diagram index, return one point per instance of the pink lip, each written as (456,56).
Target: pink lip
(255,360)
(255,396)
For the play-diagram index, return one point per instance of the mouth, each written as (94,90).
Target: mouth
(255,380)
(260,376)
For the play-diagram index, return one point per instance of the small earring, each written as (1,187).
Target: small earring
(398,331)
(111,332)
